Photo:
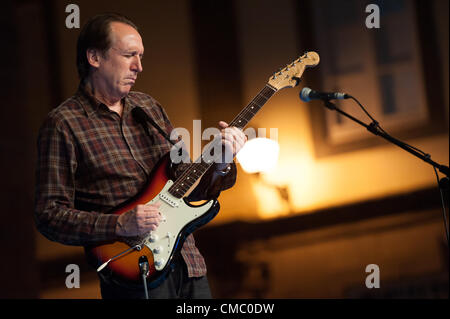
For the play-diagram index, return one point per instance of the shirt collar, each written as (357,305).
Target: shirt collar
(92,105)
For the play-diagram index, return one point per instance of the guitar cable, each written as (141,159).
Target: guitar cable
(143,267)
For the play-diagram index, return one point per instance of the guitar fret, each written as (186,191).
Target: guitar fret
(253,107)
(199,167)
(193,173)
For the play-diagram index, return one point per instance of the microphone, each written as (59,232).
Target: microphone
(306,95)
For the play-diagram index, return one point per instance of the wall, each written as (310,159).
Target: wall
(315,247)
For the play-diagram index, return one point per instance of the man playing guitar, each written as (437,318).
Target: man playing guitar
(94,155)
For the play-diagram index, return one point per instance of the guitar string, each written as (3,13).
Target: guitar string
(246,114)
(260,99)
(208,148)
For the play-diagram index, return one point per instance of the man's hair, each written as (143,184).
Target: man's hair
(95,34)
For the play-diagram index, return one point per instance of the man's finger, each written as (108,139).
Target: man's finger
(223,124)
(153,220)
(235,136)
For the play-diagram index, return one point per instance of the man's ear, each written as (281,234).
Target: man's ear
(93,57)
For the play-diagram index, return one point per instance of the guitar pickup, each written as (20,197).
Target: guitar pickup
(168,200)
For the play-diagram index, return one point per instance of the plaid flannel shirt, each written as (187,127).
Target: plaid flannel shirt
(90,160)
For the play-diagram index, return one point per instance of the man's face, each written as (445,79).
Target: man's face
(117,70)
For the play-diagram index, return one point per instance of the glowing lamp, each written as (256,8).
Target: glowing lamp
(258,155)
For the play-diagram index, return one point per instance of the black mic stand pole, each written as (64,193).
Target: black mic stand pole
(374,128)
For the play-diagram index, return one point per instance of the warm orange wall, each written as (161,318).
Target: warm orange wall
(316,183)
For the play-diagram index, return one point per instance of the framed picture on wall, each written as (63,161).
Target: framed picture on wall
(393,70)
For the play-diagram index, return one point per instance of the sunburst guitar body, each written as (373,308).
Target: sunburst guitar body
(179,219)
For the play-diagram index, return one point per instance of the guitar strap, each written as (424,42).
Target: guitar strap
(142,117)
(160,130)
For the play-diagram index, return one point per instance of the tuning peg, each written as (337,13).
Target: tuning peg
(297,80)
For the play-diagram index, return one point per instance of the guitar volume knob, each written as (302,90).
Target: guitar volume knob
(152,238)
(159,262)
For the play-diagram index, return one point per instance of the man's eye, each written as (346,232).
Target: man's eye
(133,55)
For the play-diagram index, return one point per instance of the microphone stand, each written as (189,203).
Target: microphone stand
(375,129)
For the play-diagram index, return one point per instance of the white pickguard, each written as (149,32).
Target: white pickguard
(175,216)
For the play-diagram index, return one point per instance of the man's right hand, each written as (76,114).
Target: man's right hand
(138,221)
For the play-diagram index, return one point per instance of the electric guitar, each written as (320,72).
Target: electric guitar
(180,218)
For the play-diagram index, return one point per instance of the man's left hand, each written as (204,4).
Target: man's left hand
(233,139)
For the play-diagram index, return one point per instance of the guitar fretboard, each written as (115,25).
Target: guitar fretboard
(196,170)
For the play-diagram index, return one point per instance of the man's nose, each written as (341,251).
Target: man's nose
(137,65)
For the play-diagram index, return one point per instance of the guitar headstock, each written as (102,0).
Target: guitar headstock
(291,74)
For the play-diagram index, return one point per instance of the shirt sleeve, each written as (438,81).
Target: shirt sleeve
(55,215)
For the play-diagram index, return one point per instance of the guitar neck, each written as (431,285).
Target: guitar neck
(248,112)
(196,170)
